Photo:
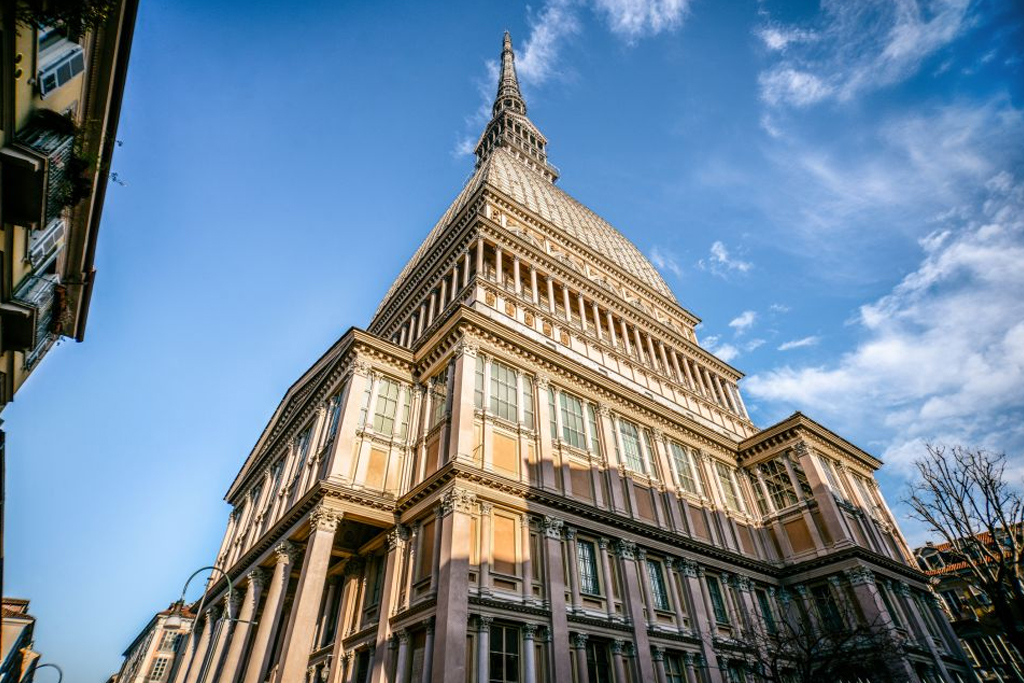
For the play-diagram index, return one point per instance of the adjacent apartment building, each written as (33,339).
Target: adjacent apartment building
(528,469)
(970,611)
(153,655)
(62,74)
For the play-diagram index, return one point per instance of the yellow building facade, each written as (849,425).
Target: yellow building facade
(528,469)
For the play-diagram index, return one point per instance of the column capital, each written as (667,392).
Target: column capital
(429,626)
(456,499)
(529,631)
(570,533)
(467,346)
(658,653)
(859,576)
(552,527)
(800,449)
(397,536)
(602,543)
(485,507)
(483,623)
(403,635)
(604,410)
(286,552)
(743,583)
(688,567)
(801,590)
(257,579)
(354,566)
(543,382)
(688,658)
(641,554)
(579,640)
(323,518)
(625,549)
(618,646)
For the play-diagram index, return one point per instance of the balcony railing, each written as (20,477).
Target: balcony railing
(39,171)
(43,296)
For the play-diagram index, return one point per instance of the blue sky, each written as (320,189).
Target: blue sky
(837,190)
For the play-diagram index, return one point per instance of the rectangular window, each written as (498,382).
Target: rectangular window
(631,446)
(684,468)
(766,611)
(439,397)
(528,420)
(827,609)
(732,496)
(333,415)
(551,413)
(158,669)
(504,402)
(169,642)
(674,671)
(893,614)
(573,431)
(426,550)
(504,664)
(832,476)
(403,426)
(587,561)
(598,664)
(780,486)
(478,384)
(302,447)
(658,592)
(717,600)
(594,438)
(387,407)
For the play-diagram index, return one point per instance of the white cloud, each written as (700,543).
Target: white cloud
(727,352)
(743,321)
(855,47)
(941,355)
(635,19)
(538,59)
(799,343)
(663,259)
(721,263)
(779,308)
(464,147)
(753,344)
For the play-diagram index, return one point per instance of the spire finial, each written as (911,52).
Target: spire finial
(508,96)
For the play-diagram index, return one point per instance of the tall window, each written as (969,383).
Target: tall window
(833,478)
(633,451)
(780,486)
(732,496)
(684,468)
(658,592)
(504,666)
(504,402)
(587,561)
(439,397)
(302,446)
(598,666)
(158,669)
(387,407)
(169,642)
(883,590)
(828,611)
(766,611)
(551,412)
(674,671)
(478,383)
(717,600)
(573,431)
(333,415)
(527,383)
(592,420)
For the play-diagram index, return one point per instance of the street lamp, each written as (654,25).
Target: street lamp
(174,620)
(60,672)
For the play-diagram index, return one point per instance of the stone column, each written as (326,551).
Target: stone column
(461,440)
(256,579)
(465,268)
(499,273)
(677,597)
(298,641)
(579,644)
(597,320)
(625,337)
(190,672)
(527,564)
(701,617)
(606,569)
(552,528)
(533,285)
(529,653)
(611,328)
(448,663)
(626,550)
(583,311)
(565,301)
(645,584)
(483,647)
(266,631)
(485,548)
(515,275)
(618,665)
(395,544)
(658,655)
(403,656)
(691,675)
(574,569)
(428,652)
(480,257)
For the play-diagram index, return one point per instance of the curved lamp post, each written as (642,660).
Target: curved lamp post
(174,621)
(60,672)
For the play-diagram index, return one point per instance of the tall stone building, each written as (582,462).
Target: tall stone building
(528,469)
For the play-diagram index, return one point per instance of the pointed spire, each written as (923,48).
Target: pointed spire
(509,127)
(509,96)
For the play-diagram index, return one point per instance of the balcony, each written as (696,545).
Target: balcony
(31,319)
(40,170)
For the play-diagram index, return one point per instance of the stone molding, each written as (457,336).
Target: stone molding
(323,518)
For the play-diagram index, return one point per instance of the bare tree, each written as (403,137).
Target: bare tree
(830,643)
(963,496)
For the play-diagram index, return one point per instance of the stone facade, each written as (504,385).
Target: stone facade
(528,469)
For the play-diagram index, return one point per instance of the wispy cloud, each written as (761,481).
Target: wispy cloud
(634,19)
(743,321)
(549,28)
(721,263)
(942,354)
(799,343)
(753,344)
(663,259)
(727,352)
(779,308)
(855,47)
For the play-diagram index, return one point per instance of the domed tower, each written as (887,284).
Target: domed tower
(528,469)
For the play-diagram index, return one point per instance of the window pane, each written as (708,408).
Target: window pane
(658,593)
(387,407)
(587,562)
(528,402)
(779,485)
(572,421)
(631,446)
(684,469)
(732,499)
(504,402)
(594,438)
(717,602)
